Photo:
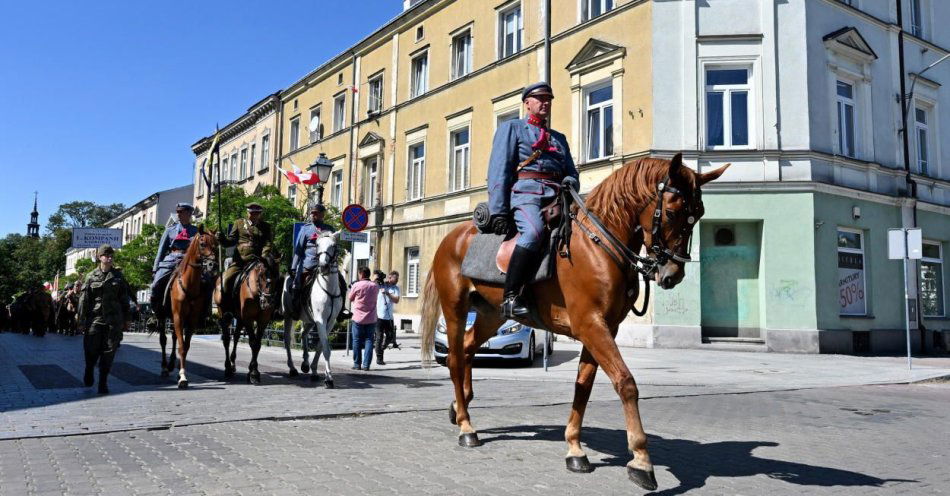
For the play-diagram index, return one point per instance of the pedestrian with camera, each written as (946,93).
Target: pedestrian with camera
(388,296)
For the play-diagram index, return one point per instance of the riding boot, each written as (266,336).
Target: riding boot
(520,269)
(89,342)
(105,365)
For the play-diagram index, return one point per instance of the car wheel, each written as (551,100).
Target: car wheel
(551,346)
(530,360)
(440,360)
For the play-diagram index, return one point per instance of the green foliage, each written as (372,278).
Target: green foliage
(278,212)
(83,267)
(135,258)
(82,214)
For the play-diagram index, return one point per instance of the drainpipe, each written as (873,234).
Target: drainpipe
(349,195)
(547,42)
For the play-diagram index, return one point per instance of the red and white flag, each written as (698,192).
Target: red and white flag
(298,176)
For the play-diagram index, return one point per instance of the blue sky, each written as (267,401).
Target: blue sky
(101,100)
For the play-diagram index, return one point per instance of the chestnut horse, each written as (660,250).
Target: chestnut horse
(189,296)
(588,296)
(256,303)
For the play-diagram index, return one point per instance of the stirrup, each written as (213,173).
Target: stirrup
(513,307)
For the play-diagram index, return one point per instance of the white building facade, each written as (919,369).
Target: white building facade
(803,98)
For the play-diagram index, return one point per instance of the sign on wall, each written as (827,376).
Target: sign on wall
(851,295)
(93,237)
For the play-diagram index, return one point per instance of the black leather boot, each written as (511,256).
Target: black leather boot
(520,269)
(89,378)
(104,380)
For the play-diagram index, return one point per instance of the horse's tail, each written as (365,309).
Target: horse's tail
(430,319)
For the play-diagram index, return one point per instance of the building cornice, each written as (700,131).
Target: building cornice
(255,113)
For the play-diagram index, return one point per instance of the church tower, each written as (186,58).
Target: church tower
(33,228)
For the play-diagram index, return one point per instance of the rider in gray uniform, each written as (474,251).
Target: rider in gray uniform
(171,250)
(305,254)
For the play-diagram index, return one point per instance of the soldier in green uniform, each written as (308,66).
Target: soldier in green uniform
(104,313)
(253,237)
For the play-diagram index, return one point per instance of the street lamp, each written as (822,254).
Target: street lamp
(321,166)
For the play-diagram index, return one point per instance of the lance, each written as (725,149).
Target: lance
(212,155)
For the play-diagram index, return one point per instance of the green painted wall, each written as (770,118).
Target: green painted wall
(786,273)
(884,288)
(730,289)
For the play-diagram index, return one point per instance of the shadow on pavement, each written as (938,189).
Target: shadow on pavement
(693,462)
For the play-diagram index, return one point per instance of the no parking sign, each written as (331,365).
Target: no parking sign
(355,218)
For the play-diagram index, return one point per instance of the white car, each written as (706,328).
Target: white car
(513,341)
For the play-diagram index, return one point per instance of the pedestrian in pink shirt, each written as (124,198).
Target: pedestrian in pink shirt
(363,296)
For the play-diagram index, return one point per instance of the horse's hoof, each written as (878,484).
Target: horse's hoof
(305,368)
(164,373)
(329,384)
(253,378)
(228,373)
(183,384)
(642,478)
(579,464)
(293,373)
(452,414)
(469,440)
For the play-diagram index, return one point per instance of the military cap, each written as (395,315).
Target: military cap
(317,207)
(254,207)
(537,89)
(184,206)
(105,249)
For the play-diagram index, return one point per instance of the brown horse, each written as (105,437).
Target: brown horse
(255,305)
(32,310)
(587,298)
(190,295)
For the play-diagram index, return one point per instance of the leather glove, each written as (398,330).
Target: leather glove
(222,238)
(571,182)
(499,224)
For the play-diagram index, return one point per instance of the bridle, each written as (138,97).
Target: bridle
(207,264)
(694,210)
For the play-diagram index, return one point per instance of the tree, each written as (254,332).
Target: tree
(82,214)
(136,257)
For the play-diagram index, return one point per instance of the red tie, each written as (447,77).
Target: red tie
(544,141)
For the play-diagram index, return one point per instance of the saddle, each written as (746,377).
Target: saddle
(489,254)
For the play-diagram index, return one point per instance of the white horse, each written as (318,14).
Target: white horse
(326,301)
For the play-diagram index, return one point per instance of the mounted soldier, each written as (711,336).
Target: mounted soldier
(104,313)
(305,256)
(254,238)
(528,163)
(171,250)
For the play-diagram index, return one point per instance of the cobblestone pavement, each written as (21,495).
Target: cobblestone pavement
(720,423)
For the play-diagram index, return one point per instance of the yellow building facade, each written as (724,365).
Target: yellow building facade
(407,115)
(248,152)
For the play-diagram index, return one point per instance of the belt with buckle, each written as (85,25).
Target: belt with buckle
(550,176)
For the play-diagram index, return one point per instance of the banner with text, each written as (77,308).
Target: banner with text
(93,237)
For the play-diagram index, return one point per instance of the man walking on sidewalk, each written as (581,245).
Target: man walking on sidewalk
(363,296)
(385,330)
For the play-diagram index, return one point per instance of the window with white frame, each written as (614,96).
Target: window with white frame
(459,159)
(339,112)
(200,181)
(419,75)
(265,151)
(292,194)
(244,171)
(510,28)
(375,94)
(507,116)
(251,168)
(294,133)
(225,170)
(371,193)
(417,166)
(315,135)
(593,8)
(923,140)
(931,280)
(851,282)
(462,54)
(727,107)
(846,118)
(599,130)
(412,271)
(336,189)
(916,19)
(234,167)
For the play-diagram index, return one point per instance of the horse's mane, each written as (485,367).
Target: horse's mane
(629,189)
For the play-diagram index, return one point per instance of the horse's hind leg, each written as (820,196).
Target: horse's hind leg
(485,326)
(163,340)
(325,345)
(288,344)
(459,364)
(226,340)
(321,331)
(576,458)
(599,341)
(255,334)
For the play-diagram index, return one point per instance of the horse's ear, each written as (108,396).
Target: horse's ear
(712,175)
(676,164)
(201,228)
